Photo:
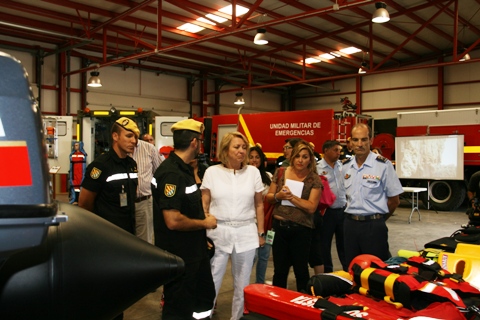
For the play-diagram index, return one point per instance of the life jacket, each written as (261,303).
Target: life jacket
(415,284)
(357,306)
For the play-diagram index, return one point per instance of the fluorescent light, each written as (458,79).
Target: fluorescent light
(216,18)
(193,28)
(190,27)
(239,10)
(349,50)
(311,60)
(327,56)
(206,21)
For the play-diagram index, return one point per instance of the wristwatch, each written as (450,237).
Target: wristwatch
(261,234)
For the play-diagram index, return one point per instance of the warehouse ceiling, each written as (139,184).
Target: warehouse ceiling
(148,33)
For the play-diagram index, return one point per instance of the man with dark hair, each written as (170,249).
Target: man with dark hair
(180,224)
(372,188)
(333,219)
(347,150)
(287,152)
(110,183)
(148,138)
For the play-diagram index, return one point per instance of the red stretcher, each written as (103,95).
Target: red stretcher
(283,304)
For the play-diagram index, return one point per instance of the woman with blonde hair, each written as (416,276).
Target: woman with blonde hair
(293,215)
(232,192)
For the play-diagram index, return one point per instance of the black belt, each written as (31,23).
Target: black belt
(143,198)
(359,217)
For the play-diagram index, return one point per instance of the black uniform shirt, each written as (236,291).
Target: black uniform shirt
(345,153)
(110,177)
(174,187)
(474,184)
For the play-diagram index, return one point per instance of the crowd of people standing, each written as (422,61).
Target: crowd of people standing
(191,210)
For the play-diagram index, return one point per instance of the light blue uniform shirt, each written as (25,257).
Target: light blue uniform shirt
(335,181)
(368,187)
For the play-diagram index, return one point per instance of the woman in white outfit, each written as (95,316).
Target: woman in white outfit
(232,192)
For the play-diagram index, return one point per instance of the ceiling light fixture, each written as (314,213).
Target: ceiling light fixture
(381,14)
(94,80)
(336,7)
(239,100)
(363,68)
(260,38)
(466,57)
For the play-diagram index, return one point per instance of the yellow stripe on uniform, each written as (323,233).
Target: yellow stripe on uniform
(245,129)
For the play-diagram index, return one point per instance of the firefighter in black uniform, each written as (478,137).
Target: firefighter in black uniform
(473,193)
(110,183)
(473,189)
(180,224)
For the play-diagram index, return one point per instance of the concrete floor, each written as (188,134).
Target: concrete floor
(402,235)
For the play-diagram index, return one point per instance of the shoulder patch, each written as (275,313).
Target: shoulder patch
(381,158)
(347,161)
(170,190)
(95,173)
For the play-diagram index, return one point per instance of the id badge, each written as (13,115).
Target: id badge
(270,236)
(123,199)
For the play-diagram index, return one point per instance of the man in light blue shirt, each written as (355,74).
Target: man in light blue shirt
(372,190)
(333,219)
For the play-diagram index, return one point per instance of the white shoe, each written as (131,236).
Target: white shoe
(268,282)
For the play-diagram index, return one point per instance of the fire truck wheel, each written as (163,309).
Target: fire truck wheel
(444,195)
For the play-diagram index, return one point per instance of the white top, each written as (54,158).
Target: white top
(232,199)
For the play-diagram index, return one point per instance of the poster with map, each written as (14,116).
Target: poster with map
(430,157)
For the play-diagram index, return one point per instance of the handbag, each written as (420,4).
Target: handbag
(327,198)
(268,207)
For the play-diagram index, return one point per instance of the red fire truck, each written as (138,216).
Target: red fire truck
(272,128)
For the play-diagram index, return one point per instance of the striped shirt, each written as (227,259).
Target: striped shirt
(148,160)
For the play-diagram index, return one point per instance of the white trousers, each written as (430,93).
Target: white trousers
(242,264)
(144,220)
